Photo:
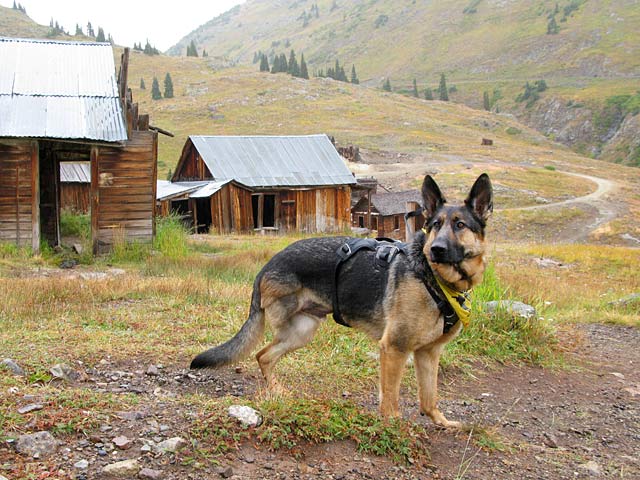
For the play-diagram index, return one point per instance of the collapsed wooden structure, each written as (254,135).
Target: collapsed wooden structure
(384,214)
(61,102)
(241,184)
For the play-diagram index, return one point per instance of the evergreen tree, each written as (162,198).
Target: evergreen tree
(204,53)
(142,85)
(284,66)
(192,50)
(354,76)
(275,66)
(442,89)
(304,72)
(168,86)
(415,88)
(387,85)
(428,94)
(110,40)
(155,90)
(169,175)
(100,37)
(149,50)
(79,30)
(90,32)
(294,68)
(552,26)
(264,63)
(15,7)
(486,102)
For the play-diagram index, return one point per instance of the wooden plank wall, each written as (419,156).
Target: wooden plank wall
(19,187)
(323,210)
(74,197)
(123,199)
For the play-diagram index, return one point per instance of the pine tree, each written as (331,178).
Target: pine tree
(387,85)
(275,66)
(442,89)
(428,94)
(486,102)
(192,50)
(204,53)
(354,76)
(169,175)
(304,72)
(415,88)
(552,26)
(168,86)
(79,30)
(90,32)
(15,7)
(155,90)
(264,63)
(294,68)
(142,84)
(284,66)
(100,37)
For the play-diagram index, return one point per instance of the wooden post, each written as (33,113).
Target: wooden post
(154,182)
(410,223)
(95,197)
(18,206)
(35,198)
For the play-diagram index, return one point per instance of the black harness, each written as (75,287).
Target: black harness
(386,251)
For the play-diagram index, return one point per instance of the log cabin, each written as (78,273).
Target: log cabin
(383,213)
(240,184)
(60,102)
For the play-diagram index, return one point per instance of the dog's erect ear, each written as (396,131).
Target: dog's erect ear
(480,199)
(432,198)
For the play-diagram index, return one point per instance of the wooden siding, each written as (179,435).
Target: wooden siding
(74,197)
(191,166)
(19,193)
(123,180)
(323,210)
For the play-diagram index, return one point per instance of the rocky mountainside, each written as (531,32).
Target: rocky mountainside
(587,51)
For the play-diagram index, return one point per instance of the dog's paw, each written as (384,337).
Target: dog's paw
(440,420)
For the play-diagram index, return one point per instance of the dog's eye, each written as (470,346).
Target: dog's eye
(460,225)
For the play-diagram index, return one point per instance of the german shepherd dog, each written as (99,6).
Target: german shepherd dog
(294,294)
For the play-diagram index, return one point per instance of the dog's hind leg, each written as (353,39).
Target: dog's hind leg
(426,361)
(290,335)
(392,362)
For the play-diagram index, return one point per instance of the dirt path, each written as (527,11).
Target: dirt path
(582,422)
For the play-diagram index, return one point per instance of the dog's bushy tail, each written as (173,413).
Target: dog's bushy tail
(242,344)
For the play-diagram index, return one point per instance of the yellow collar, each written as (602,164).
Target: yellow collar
(458,301)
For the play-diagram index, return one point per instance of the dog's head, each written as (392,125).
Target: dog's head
(455,234)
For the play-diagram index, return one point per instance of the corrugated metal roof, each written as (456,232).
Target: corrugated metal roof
(58,89)
(166,189)
(270,161)
(76,172)
(209,189)
(395,203)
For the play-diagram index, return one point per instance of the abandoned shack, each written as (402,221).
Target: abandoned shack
(75,186)
(261,183)
(384,214)
(61,102)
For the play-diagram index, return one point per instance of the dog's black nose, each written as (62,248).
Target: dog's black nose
(438,252)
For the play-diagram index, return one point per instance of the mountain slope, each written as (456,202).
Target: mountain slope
(492,46)
(411,39)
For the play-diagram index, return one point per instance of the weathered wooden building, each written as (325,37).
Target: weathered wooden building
(61,102)
(383,213)
(75,186)
(261,183)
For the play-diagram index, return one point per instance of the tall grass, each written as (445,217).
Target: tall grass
(502,335)
(171,237)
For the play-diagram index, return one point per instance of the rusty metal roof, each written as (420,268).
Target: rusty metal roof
(75,172)
(56,89)
(274,161)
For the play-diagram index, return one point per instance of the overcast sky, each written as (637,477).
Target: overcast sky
(129,21)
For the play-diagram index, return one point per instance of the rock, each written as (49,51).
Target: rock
(13,367)
(122,442)
(132,416)
(171,445)
(625,301)
(123,469)
(150,474)
(592,468)
(67,264)
(246,415)
(550,440)
(32,407)
(226,472)
(512,307)
(37,445)
(81,465)
(64,372)
(152,371)
(78,248)
(548,263)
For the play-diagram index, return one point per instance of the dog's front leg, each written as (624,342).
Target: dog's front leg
(426,362)
(392,362)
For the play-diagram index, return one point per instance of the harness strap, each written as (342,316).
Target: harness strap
(386,250)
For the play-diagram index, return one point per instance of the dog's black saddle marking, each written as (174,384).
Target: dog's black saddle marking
(386,251)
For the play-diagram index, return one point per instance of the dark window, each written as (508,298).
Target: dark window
(269,211)
(361,221)
(396,222)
